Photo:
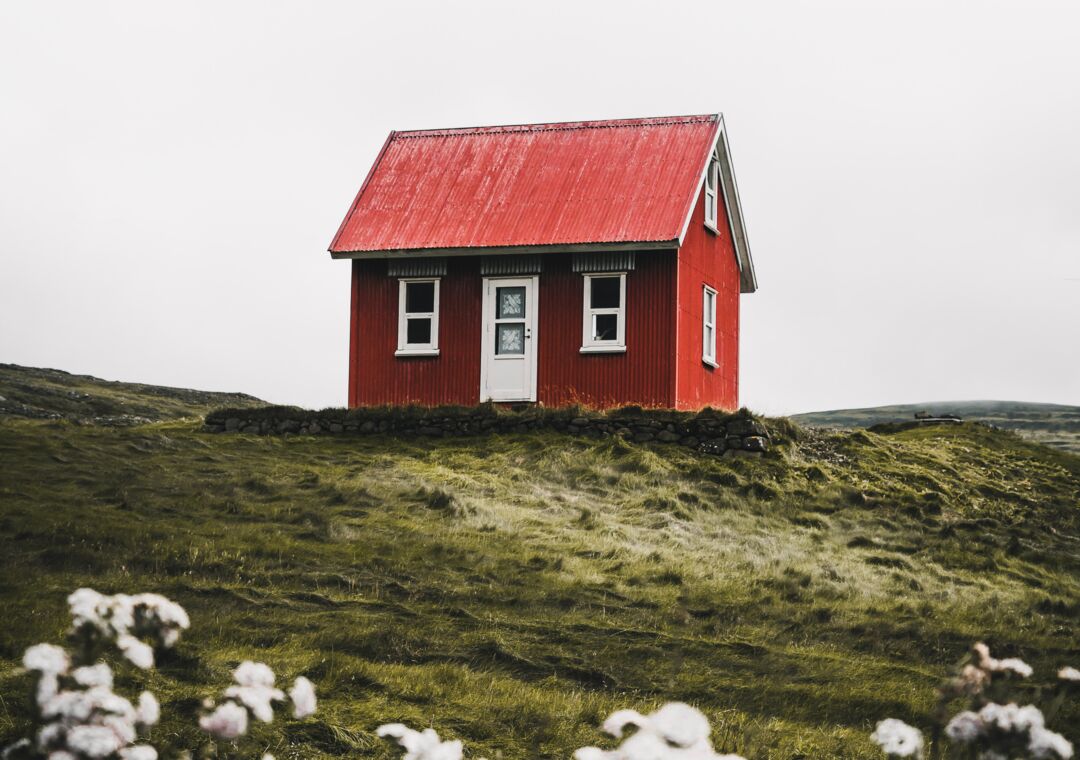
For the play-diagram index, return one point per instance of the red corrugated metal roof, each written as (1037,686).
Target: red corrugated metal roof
(616,181)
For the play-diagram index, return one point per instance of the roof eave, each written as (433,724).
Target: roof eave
(641,245)
(736,224)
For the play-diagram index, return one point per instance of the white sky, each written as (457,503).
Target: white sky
(171,175)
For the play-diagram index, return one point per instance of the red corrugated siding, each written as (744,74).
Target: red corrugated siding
(708,259)
(354,333)
(453,377)
(643,374)
(629,180)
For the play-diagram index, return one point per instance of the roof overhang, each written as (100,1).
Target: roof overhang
(736,224)
(653,245)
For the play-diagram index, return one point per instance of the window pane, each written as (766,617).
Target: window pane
(418,331)
(511,302)
(606,327)
(605,292)
(510,339)
(419,298)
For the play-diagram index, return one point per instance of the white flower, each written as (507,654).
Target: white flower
(420,745)
(138,653)
(250,673)
(50,735)
(1013,665)
(93,741)
(257,699)
(228,721)
(267,756)
(94,675)
(620,719)
(46,658)
(62,754)
(964,728)
(139,752)
(70,706)
(104,700)
(674,732)
(1047,745)
(1069,673)
(1010,718)
(168,617)
(148,712)
(122,727)
(1007,665)
(47,687)
(302,695)
(84,604)
(897,739)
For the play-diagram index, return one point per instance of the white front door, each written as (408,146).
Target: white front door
(508,350)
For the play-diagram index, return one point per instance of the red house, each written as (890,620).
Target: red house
(595,262)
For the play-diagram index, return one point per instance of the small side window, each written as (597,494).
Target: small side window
(708,327)
(712,185)
(418,317)
(603,325)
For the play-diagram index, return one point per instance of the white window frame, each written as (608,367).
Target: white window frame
(708,326)
(417,349)
(712,193)
(588,345)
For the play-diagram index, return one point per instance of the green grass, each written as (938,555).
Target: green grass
(512,591)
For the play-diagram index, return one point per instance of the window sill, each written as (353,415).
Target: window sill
(709,363)
(603,349)
(713,228)
(417,352)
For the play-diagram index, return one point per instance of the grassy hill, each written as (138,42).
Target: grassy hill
(1053,424)
(511,591)
(53,394)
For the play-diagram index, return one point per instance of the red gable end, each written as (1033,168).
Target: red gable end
(617,181)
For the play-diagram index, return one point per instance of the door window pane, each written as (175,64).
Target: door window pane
(605,292)
(605,327)
(419,298)
(510,339)
(418,331)
(510,303)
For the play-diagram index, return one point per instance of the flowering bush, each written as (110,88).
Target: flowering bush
(78,715)
(993,727)
(254,694)
(674,732)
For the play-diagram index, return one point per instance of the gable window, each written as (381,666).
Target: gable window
(603,323)
(708,327)
(712,185)
(418,317)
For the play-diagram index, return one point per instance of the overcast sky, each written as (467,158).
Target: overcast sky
(171,175)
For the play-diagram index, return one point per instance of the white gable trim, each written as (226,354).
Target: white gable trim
(736,224)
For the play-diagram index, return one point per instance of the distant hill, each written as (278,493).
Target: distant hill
(53,394)
(1052,424)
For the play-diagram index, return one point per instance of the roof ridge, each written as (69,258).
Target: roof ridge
(558,126)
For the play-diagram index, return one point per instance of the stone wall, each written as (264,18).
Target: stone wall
(708,431)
